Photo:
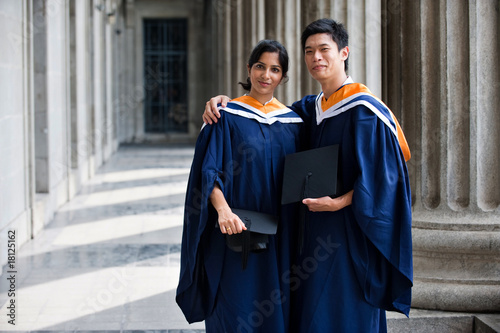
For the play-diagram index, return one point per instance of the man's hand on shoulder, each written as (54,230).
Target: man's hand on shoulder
(211,113)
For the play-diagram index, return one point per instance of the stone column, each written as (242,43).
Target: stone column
(99,77)
(109,82)
(40,97)
(227,13)
(442,78)
(237,54)
(241,24)
(57,93)
(284,25)
(83,89)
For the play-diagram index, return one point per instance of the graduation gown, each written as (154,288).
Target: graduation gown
(356,262)
(244,154)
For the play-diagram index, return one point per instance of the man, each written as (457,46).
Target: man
(365,266)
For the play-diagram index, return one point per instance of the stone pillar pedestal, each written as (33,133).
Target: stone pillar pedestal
(442,79)
(456,261)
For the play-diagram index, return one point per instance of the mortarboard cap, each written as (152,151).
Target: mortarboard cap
(256,237)
(310,174)
(261,223)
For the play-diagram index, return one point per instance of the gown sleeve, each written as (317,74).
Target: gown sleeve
(305,108)
(196,289)
(382,208)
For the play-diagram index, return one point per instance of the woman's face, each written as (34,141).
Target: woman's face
(265,75)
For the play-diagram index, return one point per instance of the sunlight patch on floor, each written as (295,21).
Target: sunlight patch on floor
(142,174)
(104,230)
(131,194)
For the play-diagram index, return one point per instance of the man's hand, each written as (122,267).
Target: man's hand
(328,204)
(211,113)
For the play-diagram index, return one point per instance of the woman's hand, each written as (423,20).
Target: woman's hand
(229,222)
(328,204)
(211,113)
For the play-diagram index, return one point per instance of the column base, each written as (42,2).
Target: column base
(433,295)
(456,266)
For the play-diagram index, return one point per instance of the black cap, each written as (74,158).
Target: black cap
(257,222)
(310,174)
(256,237)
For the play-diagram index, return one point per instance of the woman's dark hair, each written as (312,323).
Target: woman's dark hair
(334,29)
(271,46)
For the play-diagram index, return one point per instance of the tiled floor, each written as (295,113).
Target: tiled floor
(110,258)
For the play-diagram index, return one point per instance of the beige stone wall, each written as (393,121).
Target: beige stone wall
(15,171)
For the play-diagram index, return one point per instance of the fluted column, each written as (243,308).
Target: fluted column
(243,23)
(288,30)
(433,100)
(486,101)
(99,88)
(224,13)
(442,79)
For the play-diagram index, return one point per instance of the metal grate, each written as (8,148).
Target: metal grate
(165,75)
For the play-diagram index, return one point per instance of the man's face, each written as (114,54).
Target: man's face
(323,58)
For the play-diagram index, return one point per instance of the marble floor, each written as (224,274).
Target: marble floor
(110,258)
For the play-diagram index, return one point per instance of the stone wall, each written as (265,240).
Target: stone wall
(15,170)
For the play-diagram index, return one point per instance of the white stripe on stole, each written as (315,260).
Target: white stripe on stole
(260,113)
(338,108)
(267,120)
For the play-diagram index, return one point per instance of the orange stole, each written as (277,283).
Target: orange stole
(356,88)
(272,105)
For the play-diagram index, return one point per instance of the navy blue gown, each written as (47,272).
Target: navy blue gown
(356,262)
(243,153)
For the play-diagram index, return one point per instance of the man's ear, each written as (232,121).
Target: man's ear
(344,53)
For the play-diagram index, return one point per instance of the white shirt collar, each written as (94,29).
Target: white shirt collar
(348,81)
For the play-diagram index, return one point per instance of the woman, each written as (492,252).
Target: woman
(238,163)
